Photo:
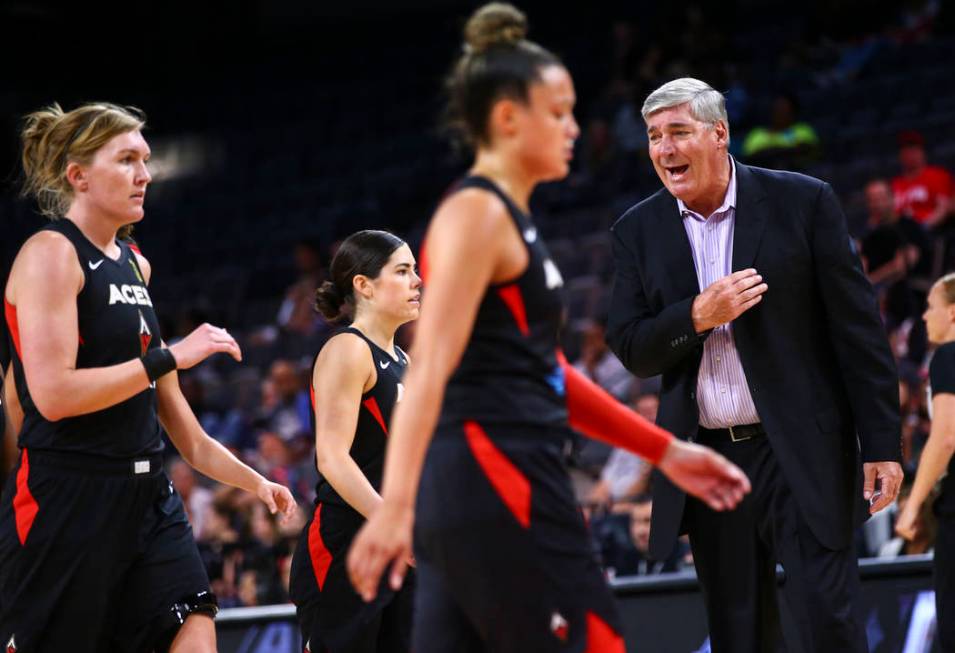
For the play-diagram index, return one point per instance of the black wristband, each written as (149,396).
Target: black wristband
(158,362)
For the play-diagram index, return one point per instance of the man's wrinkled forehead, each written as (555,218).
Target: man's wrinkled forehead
(674,117)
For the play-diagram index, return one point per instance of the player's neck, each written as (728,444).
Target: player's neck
(378,331)
(99,231)
(508,174)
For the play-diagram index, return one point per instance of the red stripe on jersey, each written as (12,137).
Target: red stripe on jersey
(135,248)
(512,298)
(311,396)
(25,506)
(10,314)
(601,638)
(320,555)
(508,481)
(423,263)
(375,411)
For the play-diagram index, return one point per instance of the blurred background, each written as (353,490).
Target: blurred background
(279,127)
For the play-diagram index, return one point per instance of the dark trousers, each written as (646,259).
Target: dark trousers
(945,583)
(736,554)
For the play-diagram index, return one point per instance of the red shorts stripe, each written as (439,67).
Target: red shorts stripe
(514,300)
(508,481)
(601,638)
(25,506)
(10,314)
(321,556)
(372,405)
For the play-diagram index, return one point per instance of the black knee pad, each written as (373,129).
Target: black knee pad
(201,603)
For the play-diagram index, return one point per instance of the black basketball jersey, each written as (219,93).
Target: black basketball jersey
(374,415)
(116,323)
(509,372)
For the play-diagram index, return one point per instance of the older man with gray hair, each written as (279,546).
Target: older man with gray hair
(741,287)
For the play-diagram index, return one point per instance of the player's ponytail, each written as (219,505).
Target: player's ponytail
(497,62)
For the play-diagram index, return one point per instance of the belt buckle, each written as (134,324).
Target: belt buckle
(738,439)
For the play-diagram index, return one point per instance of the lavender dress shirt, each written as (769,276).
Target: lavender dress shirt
(722,392)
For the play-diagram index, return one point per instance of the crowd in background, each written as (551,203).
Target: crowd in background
(899,200)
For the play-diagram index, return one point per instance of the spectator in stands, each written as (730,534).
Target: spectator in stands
(601,167)
(262,554)
(895,244)
(195,497)
(287,407)
(922,191)
(630,555)
(226,424)
(220,550)
(276,458)
(786,142)
(895,248)
(296,314)
(915,425)
(598,364)
(625,474)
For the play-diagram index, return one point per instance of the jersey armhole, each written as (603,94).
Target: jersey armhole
(516,225)
(374,366)
(76,252)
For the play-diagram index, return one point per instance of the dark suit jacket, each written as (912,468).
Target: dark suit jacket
(814,350)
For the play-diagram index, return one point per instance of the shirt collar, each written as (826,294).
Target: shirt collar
(729,200)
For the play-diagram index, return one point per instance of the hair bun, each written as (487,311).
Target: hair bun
(329,301)
(497,23)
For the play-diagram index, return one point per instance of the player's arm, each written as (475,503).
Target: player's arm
(12,421)
(465,247)
(44,283)
(342,372)
(207,455)
(933,462)
(697,470)
(592,411)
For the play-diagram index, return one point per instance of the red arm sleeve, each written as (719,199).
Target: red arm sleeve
(596,414)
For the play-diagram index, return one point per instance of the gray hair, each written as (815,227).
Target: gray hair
(706,104)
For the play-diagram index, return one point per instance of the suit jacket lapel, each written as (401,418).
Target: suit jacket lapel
(750,220)
(679,257)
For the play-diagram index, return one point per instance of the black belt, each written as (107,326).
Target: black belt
(733,433)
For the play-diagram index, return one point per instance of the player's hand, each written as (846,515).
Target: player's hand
(705,474)
(202,343)
(726,299)
(905,523)
(882,483)
(384,540)
(277,498)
